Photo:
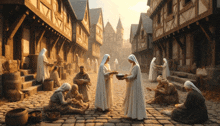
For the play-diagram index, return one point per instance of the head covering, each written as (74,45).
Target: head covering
(164,81)
(43,51)
(116,61)
(64,87)
(159,78)
(167,67)
(151,71)
(190,85)
(74,87)
(133,58)
(100,97)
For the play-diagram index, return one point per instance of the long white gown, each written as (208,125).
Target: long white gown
(42,68)
(104,98)
(153,71)
(166,71)
(134,104)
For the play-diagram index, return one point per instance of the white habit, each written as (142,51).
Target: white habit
(153,71)
(42,69)
(166,71)
(103,98)
(134,104)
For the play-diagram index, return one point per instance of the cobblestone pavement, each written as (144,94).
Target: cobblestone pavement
(114,117)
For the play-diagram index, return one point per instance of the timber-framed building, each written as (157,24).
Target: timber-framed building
(186,33)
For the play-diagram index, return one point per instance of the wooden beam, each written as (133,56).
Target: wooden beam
(207,32)
(71,46)
(179,42)
(40,36)
(59,47)
(55,42)
(15,26)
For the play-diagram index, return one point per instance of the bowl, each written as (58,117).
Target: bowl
(52,116)
(35,116)
(120,76)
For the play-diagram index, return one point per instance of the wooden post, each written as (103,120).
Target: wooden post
(40,36)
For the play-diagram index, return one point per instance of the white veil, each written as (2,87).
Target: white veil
(190,85)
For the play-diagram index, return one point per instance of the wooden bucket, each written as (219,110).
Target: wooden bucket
(16,117)
(48,85)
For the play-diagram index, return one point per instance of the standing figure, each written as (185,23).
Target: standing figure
(153,71)
(166,71)
(88,64)
(116,64)
(83,81)
(96,66)
(103,98)
(92,65)
(42,66)
(55,76)
(134,103)
(77,64)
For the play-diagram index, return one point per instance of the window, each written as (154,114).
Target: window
(68,18)
(170,7)
(59,6)
(187,1)
(158,18)
(142,34)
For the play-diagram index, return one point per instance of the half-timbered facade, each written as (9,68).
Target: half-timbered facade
(27,26)
(133,31)
(143,39)
(96,36)
(81,28)
(186,33)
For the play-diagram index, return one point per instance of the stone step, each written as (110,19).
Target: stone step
(32,90)
(25,71)
(28,77)
(183,74)
(28,84)
(180,80)
(178,86)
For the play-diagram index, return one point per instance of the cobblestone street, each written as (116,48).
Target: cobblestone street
(114,117)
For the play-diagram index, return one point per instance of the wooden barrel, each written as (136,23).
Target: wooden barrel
(14,95)
(11,81)
(48,85)
(16,117)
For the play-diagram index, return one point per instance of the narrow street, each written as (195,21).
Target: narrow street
(113,118)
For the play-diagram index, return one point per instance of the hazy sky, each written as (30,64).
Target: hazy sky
(128,10)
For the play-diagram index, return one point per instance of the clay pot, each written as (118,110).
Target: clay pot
(16,117)
(48,85)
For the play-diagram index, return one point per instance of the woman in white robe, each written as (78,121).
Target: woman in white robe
(104,98)
(116,64)
(134,103)
(88,64)
(42,68)
(166,71)
(96,66)
(153,71)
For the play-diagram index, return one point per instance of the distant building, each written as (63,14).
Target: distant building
(96,37)
(186,32)
(143,42)
(113,43)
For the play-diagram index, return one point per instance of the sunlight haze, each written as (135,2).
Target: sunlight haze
(128,11)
